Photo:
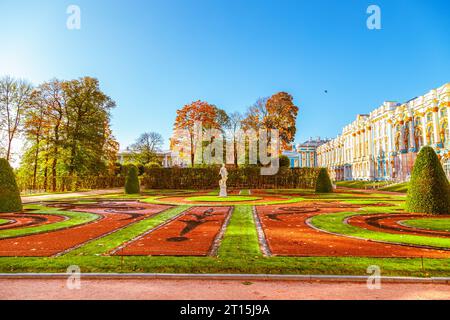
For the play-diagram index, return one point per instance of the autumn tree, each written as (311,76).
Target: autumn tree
(277,112)
(234,125)
(282,115)
(67,131)
(87,112)
(14,95)
(146,146)
(36,128)
(196,112)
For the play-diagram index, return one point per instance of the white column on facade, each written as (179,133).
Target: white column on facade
(436,130)
(412,143)
(390,140)
(448,121)
(424,129)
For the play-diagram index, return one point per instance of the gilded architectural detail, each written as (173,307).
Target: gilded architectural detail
(383,145)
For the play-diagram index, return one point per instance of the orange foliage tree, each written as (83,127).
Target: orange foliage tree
(277,112)
(197,111)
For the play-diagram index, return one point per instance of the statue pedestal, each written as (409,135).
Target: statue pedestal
(223,191)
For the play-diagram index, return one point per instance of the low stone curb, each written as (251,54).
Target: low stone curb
(240,277)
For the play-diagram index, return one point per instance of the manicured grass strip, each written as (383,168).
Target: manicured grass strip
(260,265)
(334,222)
(244,192)
(442,224)
(241,238)
(362,184)
(399,187)
(223,199)
(161,200)
(3,221)
(74,219)
(115,239)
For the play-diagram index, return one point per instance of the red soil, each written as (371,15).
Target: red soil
(21,220)
(290,235)
(59,241)
(390,224)
(190,234)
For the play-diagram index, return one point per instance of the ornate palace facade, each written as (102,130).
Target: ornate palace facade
(383,145)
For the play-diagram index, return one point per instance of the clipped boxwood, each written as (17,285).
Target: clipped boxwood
(429,189)
(132,181)
(10,200)
(284,161)
(323,182)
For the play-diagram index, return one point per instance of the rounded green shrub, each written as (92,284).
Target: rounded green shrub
(151,165)
(323,182)
(284,161)
(429,189)
(10,200)
(132,180)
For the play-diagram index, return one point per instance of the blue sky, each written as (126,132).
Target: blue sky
(152,57)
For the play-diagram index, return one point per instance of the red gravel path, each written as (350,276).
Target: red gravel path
(291,236)
(58,241)
(21,220)
(191,234)
(114,289)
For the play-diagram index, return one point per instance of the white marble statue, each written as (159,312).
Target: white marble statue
(223,181)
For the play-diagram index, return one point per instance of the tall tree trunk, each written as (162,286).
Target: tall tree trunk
(36,155)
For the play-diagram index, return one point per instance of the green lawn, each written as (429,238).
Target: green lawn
(334,222)
(442,224)
(239,251)
(362,184)
(3,221)
(222,199)
(399,187)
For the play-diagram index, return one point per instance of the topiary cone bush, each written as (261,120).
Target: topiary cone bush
(132,180)
(323,182)
(10,200)
(429,189)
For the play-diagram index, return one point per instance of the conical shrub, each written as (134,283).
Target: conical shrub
(10,200)
(132,180)
(429,189)
(323,182)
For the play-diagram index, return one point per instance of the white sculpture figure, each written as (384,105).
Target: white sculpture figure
(223,181)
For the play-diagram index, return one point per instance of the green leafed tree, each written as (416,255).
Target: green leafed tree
(323,182)
(9,192)
(132,180)
(429,189)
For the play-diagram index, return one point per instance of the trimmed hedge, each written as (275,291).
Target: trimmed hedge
(242,177)
(132,181)
(429,189)
(10,200)
(323,183)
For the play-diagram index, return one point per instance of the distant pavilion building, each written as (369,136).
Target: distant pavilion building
(305,154)
(165,158)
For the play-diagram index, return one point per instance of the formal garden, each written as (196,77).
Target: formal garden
(290,223)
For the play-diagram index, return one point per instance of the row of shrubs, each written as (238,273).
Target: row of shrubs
(74,183)
(242,177)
